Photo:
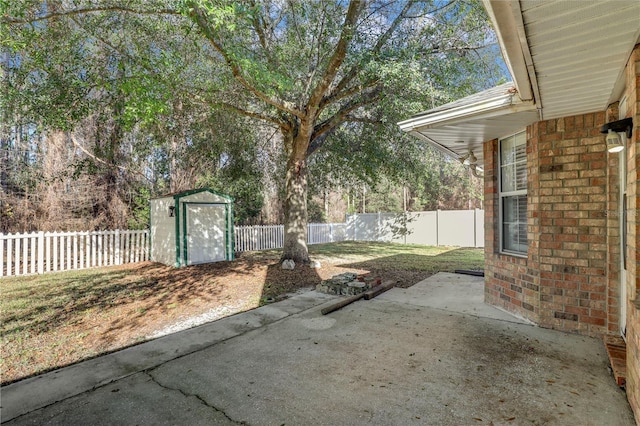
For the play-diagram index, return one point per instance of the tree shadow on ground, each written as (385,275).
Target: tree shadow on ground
(58,319)
(280,282)
(119,306)
(93,312)
(149,284)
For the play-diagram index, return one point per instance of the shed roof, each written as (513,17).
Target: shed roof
(186,193)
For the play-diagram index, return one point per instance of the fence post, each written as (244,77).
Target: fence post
(47,250)
(16,265)
(475,227)
(9,257)
(25,254)
(479,227)
(40,252)
(2,255)
(68,241)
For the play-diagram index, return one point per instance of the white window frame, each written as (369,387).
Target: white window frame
(502,195)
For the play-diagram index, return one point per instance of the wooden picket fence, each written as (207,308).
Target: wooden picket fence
(41,252)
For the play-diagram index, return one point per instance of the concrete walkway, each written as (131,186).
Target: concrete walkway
(432,354)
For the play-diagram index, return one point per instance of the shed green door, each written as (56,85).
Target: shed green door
(205,232)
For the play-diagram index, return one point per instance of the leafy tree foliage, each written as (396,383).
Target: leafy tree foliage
(330,77)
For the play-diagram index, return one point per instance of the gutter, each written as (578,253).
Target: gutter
(506,17)
(501,105)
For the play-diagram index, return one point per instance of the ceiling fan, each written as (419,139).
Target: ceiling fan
(468,159)
(471,161)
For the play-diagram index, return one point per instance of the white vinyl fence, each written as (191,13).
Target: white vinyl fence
(265,237)
(40,252)
(462,228)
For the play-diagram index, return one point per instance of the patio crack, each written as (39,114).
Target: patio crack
(198,397)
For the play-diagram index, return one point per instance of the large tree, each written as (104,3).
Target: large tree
(316,71)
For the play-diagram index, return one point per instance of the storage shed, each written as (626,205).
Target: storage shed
(191,227)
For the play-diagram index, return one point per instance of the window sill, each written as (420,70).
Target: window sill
(514,254)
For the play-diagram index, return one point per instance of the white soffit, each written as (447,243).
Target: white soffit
(578,50)
(464,125)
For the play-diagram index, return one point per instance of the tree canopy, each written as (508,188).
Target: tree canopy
(215,82)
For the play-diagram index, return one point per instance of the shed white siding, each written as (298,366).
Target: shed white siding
(200,230)
(163,233)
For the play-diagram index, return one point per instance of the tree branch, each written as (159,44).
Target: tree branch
(193,93)
(203,23)
(353,119)
(259,26)
(251,114)
(347,92)
(348,29)
(343,115)
(105,162)
(340,116)
(353,72)
(87,10)
(431,12)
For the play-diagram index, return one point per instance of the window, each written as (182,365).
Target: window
(513,194)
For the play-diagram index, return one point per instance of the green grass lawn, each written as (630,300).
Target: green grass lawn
(391,256)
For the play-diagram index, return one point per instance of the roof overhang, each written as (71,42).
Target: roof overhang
(568,56)
(565,57)
(465,125)
(506,17)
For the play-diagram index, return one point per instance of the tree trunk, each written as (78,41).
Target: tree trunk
(295,207)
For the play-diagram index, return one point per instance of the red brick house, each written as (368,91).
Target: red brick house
(562,232)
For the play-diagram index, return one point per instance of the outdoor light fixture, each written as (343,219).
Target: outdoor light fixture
(172,211)
(471,162)
(614,141)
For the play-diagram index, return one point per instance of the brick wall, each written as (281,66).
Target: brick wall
(511,282)
(570,278)
(632,74)
(563,282)
(573,224)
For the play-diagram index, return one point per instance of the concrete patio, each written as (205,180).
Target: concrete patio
(431,354)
